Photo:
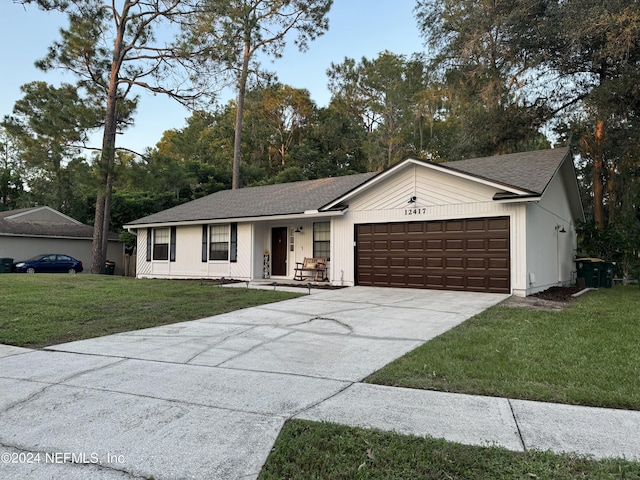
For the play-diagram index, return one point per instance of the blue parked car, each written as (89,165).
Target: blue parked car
(49,263)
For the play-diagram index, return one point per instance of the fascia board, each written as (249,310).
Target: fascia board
(296,216)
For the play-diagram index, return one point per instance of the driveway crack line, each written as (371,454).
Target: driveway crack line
(49,385)
(306,409)
(266,342)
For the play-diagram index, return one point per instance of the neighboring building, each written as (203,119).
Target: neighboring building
(498,224)
(28,232)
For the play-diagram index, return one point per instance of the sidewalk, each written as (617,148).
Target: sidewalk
(486,421)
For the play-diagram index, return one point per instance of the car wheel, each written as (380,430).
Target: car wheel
(31,270)
(72,270)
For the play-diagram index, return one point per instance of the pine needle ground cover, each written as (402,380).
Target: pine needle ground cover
(47,309)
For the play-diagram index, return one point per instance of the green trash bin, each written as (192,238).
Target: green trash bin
(109,267)
(6,265)
(589,269)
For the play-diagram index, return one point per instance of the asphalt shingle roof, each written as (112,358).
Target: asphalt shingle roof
(531,171)
(268,200)
(44,229)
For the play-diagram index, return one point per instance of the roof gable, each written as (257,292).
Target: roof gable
(518,175)
(38,214)
(44,222)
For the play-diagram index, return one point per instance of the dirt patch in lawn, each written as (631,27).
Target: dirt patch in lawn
(554,298)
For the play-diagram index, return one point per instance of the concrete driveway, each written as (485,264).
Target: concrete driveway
(206,398)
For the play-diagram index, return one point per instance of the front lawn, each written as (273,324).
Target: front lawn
(324,451)
(46,309)
(586,354)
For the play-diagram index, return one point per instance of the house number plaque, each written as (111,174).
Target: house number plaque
(415,211)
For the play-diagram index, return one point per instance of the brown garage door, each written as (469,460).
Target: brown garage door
(468,254)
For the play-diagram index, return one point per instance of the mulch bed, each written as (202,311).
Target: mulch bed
(557,294)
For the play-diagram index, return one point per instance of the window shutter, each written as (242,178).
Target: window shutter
(172,245)
(149,244)
(205,249)
(233,248)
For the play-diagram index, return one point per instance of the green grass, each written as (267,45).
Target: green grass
(307,451)
(586,354)
(40,310)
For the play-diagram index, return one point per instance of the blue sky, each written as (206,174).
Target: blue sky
(357,28)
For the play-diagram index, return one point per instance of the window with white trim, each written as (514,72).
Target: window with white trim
(219,242)
(161,238)
(322,240)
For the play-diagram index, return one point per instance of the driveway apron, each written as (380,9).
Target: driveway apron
(207,398)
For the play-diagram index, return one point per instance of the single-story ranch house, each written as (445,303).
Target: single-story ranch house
(497,224)
(27,232)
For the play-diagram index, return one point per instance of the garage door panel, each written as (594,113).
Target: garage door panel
(437,244)
(454,226)
(415,262)
(454,281)
(433,227)
(454,244)
(498,224)
(479,225)
(415,228)
(498,244)
(476,244)
(434,262)
(454,262)
(397,245)
(396,228)
(415,245)
(476,263)
(498,264)
(469,254)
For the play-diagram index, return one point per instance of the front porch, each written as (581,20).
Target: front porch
(279,247)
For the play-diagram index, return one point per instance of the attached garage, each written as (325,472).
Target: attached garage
(465,254)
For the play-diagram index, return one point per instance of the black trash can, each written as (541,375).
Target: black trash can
(589,270)
(109,267)
(606,274)
(6,265)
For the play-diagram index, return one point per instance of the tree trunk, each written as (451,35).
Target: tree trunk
(612,198)
(598,188)
(107,216)
(237,142)
(107,158)
(97,259)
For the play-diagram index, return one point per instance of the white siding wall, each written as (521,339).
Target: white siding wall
(430,188)
(550,253)
(189,262)
(143,268)
(241,269)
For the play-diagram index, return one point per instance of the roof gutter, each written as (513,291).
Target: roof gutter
(518,199)
(293,216)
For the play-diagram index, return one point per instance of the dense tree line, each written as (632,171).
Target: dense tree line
(495,77)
